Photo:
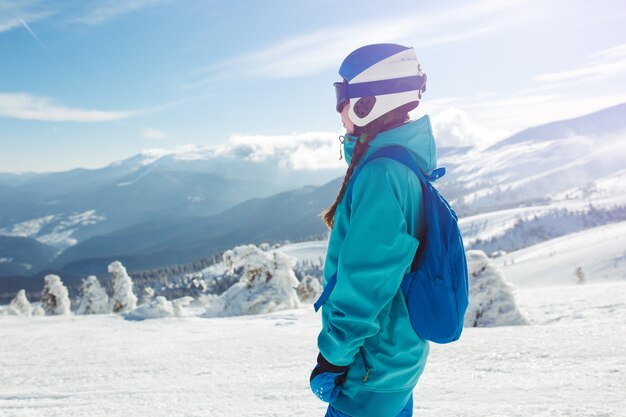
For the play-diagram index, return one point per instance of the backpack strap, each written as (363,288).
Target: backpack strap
(399,154)
(326,293)
(437,173)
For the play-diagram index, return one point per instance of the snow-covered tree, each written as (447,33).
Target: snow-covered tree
(492,302)
(179,305)
(159,308)
(55,298)
(20,306)
(156,309)
(147,295)
(123,298)
(38,311)
(267,283)
(94,299)
(309,289)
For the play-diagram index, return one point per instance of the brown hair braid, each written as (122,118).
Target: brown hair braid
(367,134)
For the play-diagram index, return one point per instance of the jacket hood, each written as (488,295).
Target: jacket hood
(416,136)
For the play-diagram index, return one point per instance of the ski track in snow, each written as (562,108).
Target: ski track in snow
(569,362)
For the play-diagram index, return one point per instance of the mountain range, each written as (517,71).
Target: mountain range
(159,209)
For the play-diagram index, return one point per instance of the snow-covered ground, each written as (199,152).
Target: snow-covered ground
(311,251)
(518,226)
(600,252)
(54,230)
(569,362)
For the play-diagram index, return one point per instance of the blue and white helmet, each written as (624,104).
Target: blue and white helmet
(378,79)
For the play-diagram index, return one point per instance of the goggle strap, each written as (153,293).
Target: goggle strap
(382,87)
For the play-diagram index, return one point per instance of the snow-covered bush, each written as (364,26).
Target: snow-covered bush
(159,308)
(55,298)
(491,299)
(179,305)
(123,298)
(20,306)
(313,267)
(38,311)
(267,283)
(309,289)
(94,299)
(207,299)
(147,295)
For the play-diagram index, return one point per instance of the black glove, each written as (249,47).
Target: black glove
(326,379)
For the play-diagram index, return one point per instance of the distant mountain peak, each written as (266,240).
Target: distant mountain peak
(602,122)
(185,152)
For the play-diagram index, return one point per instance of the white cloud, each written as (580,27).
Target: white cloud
(503,116)
(152,133)
(297,151)
(314,52)
(479,121)
(319,150)
(27,107)
(453,127)
(14,13)
(104,11)
(604,64)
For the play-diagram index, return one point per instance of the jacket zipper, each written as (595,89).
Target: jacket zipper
(366,369)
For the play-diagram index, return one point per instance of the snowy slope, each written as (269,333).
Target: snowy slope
(513,229)
(545,163)
(56,230)
(595,124)
(568,362)
(601,252)
(311,251)
(603,192)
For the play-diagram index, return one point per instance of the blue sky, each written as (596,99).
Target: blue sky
(84,83)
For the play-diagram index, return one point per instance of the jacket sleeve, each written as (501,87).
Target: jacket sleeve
(375,254)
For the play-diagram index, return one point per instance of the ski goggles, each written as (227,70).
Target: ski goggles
(341,93)
(344,91)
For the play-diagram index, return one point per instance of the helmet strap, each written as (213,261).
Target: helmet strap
(341,139)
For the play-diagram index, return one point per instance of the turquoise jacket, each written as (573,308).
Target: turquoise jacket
(365,322)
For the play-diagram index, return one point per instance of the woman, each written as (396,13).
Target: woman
(370,357)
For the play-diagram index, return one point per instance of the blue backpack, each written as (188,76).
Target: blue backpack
(436,290)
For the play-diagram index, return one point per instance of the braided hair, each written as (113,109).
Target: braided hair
(367,134)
